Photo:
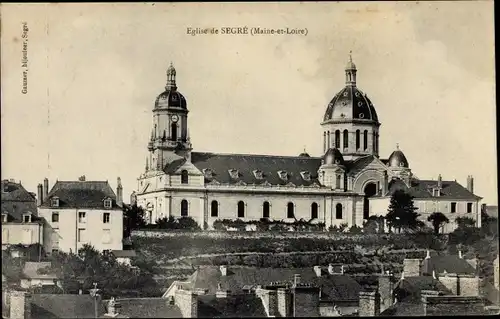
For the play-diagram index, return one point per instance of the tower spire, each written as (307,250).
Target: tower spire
(171,74)
(397,146)
(350,71)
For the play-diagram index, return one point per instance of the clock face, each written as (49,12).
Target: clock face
(175,118)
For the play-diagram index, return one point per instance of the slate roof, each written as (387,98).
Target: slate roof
(239,306)
(333,287)
(423,189)
(405,309)
(269,165)
(81,194)
(44,306)
(451,263)
(409,289)
(16,200)
(124,253)
(146,308)
(12,191)
(30,270)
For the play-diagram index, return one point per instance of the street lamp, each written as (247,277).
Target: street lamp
(95,294)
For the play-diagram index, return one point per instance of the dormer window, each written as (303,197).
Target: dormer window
(258,174)
(283,175)
(54,202)
(208,173)
(107,203)
(4,217)
(306,176)
(435,192)
(234,173)
(27,218)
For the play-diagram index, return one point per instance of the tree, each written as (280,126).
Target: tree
(133,218)
(88,266)
(437,219)
(465,222)
(401,213)
(374,225)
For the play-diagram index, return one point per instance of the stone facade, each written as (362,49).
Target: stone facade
(346,185)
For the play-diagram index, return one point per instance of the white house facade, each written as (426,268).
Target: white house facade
(82,212)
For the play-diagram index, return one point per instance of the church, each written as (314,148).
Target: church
(346,185)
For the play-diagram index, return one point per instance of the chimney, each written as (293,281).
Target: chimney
(369,303)
(296,279)
(305,301)
(411,267)
(81,178)
(440,181)
(119,192)
(284,302)
(20,305)
(187,302)
(317,270)
(385,290)
(223,270)
(45,188)
(39,194)
(470,184)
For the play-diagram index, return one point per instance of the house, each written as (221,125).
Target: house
(337,291)
(436,285)
(22,304)
(20,224)
(33,278)
(82,212)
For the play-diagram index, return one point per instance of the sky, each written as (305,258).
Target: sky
(94,71)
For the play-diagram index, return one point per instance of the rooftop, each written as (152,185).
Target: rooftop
(81,194)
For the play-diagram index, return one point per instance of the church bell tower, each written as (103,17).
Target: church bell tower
(169,135)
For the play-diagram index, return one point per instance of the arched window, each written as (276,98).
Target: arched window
(346,139)
(241,209)
(173,129)
(314,210)
(365,140)
(214,209)
(338,211)
(337,181)
(289,210)
(358,139)
(184,177)
(266,208)
(337,139)
(184,208)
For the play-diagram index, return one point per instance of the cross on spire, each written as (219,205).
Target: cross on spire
(397,146)
(350,56)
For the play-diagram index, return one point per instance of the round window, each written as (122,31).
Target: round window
(361,115)
(345,93)
(357,94)
(401,164)
(360,103)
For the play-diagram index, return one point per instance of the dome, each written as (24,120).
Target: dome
(170,99)
(333,156)
(351,104)
(398,159)
(304,154)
